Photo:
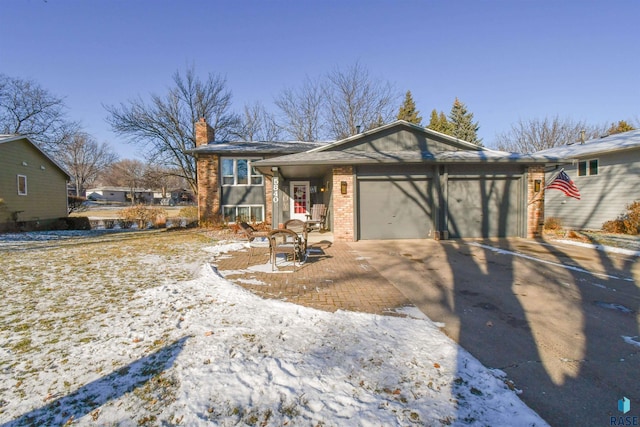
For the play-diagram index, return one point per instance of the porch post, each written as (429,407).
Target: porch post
(343,204)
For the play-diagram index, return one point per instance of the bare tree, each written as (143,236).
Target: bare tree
(85,158)
(165,124)
(354,99)
(529,136)
(258,124)
(126,173)
(302,110)
(28,109)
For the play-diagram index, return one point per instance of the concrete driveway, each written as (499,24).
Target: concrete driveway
(561,320)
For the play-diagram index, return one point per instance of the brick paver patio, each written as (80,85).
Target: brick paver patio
(333,278)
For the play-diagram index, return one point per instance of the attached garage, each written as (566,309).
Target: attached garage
(485,205)
(395,207)
(402,181)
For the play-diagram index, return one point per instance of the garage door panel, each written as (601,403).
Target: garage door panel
(483,207)
(394,209)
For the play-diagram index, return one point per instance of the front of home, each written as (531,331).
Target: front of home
(398,181)
(33,186)
(606,172)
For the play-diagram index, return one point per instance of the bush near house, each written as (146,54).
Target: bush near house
(627,223)
(552,224)
(143,215)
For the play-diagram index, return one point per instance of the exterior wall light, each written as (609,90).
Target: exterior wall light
(536,185)
(343,187)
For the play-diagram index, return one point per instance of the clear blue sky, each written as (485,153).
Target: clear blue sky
(506,60)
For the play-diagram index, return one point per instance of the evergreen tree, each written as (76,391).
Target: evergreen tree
(408,110)
(621,126)
(439,123)
(462,123)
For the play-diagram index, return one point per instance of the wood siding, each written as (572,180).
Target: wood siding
(604,196)
(46,184)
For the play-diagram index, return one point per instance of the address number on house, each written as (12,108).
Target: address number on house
(276,188)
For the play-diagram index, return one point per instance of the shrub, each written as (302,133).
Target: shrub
(76,203)
(627,223)
(190,216)
(142,215)
(78,223)
(552,224)
(614,226)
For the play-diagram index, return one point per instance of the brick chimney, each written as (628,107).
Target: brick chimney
(204,133)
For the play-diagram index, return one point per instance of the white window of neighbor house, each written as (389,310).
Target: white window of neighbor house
(22,185)
(588,167)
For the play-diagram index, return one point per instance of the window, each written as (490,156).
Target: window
(588,167)
(22,185)
(249,213)
(240,172)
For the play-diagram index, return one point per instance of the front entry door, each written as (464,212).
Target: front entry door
(299,200)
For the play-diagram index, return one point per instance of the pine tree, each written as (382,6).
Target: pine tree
(621,126)
(408,110)
(439,123)
(462,123)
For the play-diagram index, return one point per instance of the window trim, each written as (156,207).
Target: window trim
(250,174)
(262,208)
(587,167)
(25,192)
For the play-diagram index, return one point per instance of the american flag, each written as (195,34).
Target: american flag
(563,183)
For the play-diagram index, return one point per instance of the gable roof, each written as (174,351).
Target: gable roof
(345,151)
(11,138)
(260,147)
(403,124)
(609,144)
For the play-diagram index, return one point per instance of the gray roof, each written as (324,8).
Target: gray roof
(259,147)
(609,144)
(364,157)
(10,138)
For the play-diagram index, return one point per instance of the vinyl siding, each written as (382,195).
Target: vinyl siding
(393,140)
(603,197)
(46,184)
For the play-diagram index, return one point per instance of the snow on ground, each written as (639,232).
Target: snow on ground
(207,352)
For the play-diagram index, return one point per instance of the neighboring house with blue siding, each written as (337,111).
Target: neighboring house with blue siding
(607,173)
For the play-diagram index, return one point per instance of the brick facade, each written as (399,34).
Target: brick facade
(343,204)
(268,204)
(207,172)
(535,202)
(208,189)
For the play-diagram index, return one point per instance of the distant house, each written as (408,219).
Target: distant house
(398,181)
(33,186)
(120,194)
(607,174)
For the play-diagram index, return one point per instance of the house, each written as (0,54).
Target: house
(120,194)
(33,186)
(398,181)
(229,186)
(605,170)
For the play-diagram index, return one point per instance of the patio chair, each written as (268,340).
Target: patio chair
(299,227)
(283,241)
(256,239)
(317,217)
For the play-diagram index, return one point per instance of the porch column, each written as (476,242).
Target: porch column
(343,204)
(535,201)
